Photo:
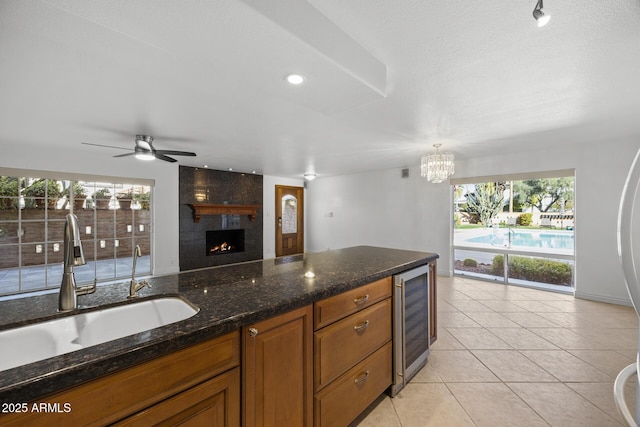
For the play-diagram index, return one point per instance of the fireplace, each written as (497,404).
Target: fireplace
(222,189)
(220,242)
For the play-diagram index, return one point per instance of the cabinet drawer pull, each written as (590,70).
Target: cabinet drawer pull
(361,326)
(361,300)
(253,332)
(362,378)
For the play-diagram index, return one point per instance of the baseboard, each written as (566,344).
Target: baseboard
(603,298)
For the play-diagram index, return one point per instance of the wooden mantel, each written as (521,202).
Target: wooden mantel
(200,209)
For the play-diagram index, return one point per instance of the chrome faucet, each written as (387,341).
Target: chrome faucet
(135,286)
(73,256)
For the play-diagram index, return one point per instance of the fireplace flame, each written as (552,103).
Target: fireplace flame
(222,247)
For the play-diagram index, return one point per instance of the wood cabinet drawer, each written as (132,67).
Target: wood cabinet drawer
(341,345)
(343,400)
(335,308)
(214,403)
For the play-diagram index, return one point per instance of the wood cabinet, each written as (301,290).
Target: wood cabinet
(277,363)
(352,352)
(156,388)
(321,365)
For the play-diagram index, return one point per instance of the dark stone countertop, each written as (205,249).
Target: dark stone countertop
(228,297)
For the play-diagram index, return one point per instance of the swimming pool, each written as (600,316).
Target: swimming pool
(526,239)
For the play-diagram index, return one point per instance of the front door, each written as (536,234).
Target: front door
(289,220)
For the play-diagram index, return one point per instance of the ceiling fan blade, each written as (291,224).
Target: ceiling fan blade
(106,146)
(175,153)
(173,138)
(125,155)
(161,156)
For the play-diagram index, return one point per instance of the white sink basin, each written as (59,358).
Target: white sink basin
(40,341)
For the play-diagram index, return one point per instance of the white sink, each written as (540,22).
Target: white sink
(40,341)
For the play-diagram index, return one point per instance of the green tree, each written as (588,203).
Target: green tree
(486,201)
(549,194)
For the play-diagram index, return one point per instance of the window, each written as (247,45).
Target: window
(114,217)
(516,229)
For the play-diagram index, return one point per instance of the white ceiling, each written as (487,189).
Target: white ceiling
(386,79)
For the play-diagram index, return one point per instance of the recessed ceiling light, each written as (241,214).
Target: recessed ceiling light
(310,176)
(230,169)
(295,79)
(206,166)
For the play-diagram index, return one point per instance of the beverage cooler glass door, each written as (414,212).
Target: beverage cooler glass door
(411,324)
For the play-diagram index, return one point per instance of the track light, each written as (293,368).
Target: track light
(539,15)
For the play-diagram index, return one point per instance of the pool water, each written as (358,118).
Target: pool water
(527,239)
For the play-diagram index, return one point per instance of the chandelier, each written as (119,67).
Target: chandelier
(437,167)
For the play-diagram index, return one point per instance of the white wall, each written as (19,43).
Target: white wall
(165,214)
(269,212)
(380,208)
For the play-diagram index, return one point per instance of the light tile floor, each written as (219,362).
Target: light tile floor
(512,356)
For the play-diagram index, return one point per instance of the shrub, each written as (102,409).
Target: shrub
(497,265)
(8,186)
(534,269)
(8,192)
(38,190)
(43,187)
(525,219)
(470,262)
(144,199)
(102,193)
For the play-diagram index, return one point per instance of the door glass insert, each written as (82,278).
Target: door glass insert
(289,214)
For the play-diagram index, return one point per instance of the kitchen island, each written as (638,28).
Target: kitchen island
(229,298)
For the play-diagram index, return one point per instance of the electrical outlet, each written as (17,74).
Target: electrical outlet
(38,249)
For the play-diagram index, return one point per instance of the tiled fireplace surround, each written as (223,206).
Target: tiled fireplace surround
(198,185)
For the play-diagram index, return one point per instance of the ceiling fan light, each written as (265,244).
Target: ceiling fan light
(145,156)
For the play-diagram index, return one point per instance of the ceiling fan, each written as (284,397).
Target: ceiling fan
(144,150)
